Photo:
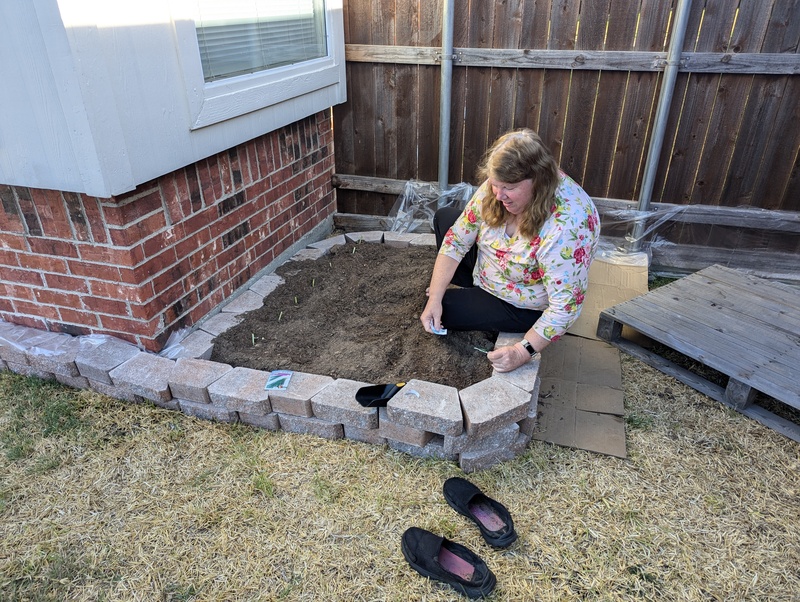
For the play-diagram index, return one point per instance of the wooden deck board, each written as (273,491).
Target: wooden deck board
(745,327)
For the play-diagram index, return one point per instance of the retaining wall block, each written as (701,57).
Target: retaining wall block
(96,361)
(18,342)
(27,370)
(57,356)
(427,406)
(337,403)
(219,323)
(328,243)
(246,301)
(308,254)
(76,382)
(311,426)
(492,404)
(398,432)
(145,375)
(467,442)
(121,393)
(375,236)
(474,461)
(433,449)
(206,411)
(242,390)
(296,400)
(190,378)
(269,421)
(197,345)
(371,436)
(266,284)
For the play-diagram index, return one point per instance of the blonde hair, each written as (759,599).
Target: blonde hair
(515,156)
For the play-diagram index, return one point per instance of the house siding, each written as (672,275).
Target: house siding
(143,264)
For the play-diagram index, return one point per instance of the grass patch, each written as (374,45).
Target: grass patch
(35,409)
(130,502)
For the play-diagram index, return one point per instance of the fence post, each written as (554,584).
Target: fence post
(446,74)
(662,114)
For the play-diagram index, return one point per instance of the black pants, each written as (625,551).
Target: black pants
(470,307)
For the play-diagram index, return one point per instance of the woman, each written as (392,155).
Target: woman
(519,251)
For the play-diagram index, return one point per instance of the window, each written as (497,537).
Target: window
(241,36)
(240,56)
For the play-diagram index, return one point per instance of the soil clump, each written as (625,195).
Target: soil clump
(354,314)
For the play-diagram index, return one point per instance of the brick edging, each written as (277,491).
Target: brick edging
(485,423)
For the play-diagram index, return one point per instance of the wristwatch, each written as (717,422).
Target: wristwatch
(528,347)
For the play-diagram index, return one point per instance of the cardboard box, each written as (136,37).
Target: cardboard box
(614,277)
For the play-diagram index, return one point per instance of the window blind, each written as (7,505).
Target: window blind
(244,36)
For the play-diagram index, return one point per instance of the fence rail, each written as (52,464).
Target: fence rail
(587,77)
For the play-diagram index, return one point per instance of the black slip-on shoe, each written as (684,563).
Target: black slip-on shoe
(492,518)
(444,560)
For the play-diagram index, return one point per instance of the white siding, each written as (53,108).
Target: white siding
(101,107)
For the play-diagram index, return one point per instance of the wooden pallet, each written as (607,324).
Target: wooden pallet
(745,327)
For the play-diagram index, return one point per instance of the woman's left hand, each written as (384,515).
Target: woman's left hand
(508,358)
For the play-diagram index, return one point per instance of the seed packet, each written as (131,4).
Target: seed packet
(278,380)
(440,331)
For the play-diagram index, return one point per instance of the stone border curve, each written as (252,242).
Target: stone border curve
(479,426)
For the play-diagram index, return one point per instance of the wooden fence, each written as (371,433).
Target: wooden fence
(587,77)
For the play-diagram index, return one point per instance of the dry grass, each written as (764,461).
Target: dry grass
(112,501)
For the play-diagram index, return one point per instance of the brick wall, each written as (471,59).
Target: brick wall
(143,264)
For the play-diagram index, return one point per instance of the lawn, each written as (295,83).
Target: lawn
(105,500)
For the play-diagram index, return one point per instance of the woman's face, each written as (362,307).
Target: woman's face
(515,197)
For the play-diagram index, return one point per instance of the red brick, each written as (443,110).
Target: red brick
(66,283)
(77,216)
(15,291)
(167,280)
(94,216)
(112,307)
(14,242)
(157,264)
(10,217)
(195,194)
(22,276)
(42,312)
(133,210)
(57,297)
(196,245)
(161,240)
(52,213)
(133,327)
(206,183)
(6,305)
(225,178)
(213,172)
(133,234)
(44,263)
(101,271)
(73,316)
(50,246)
(29,321)
(110,255)
(9,258)
(114,290)
(172,199)
(198,221)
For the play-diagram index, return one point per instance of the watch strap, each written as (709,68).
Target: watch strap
(528,347)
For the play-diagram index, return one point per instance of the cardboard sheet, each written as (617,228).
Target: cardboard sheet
(580,399)
(613,278)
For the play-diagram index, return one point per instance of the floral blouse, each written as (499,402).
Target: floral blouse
(549,273)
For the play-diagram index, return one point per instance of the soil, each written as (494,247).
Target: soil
(354,314)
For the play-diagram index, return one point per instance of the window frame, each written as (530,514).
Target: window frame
(223,99)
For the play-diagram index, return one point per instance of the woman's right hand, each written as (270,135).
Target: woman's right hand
(431,316)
